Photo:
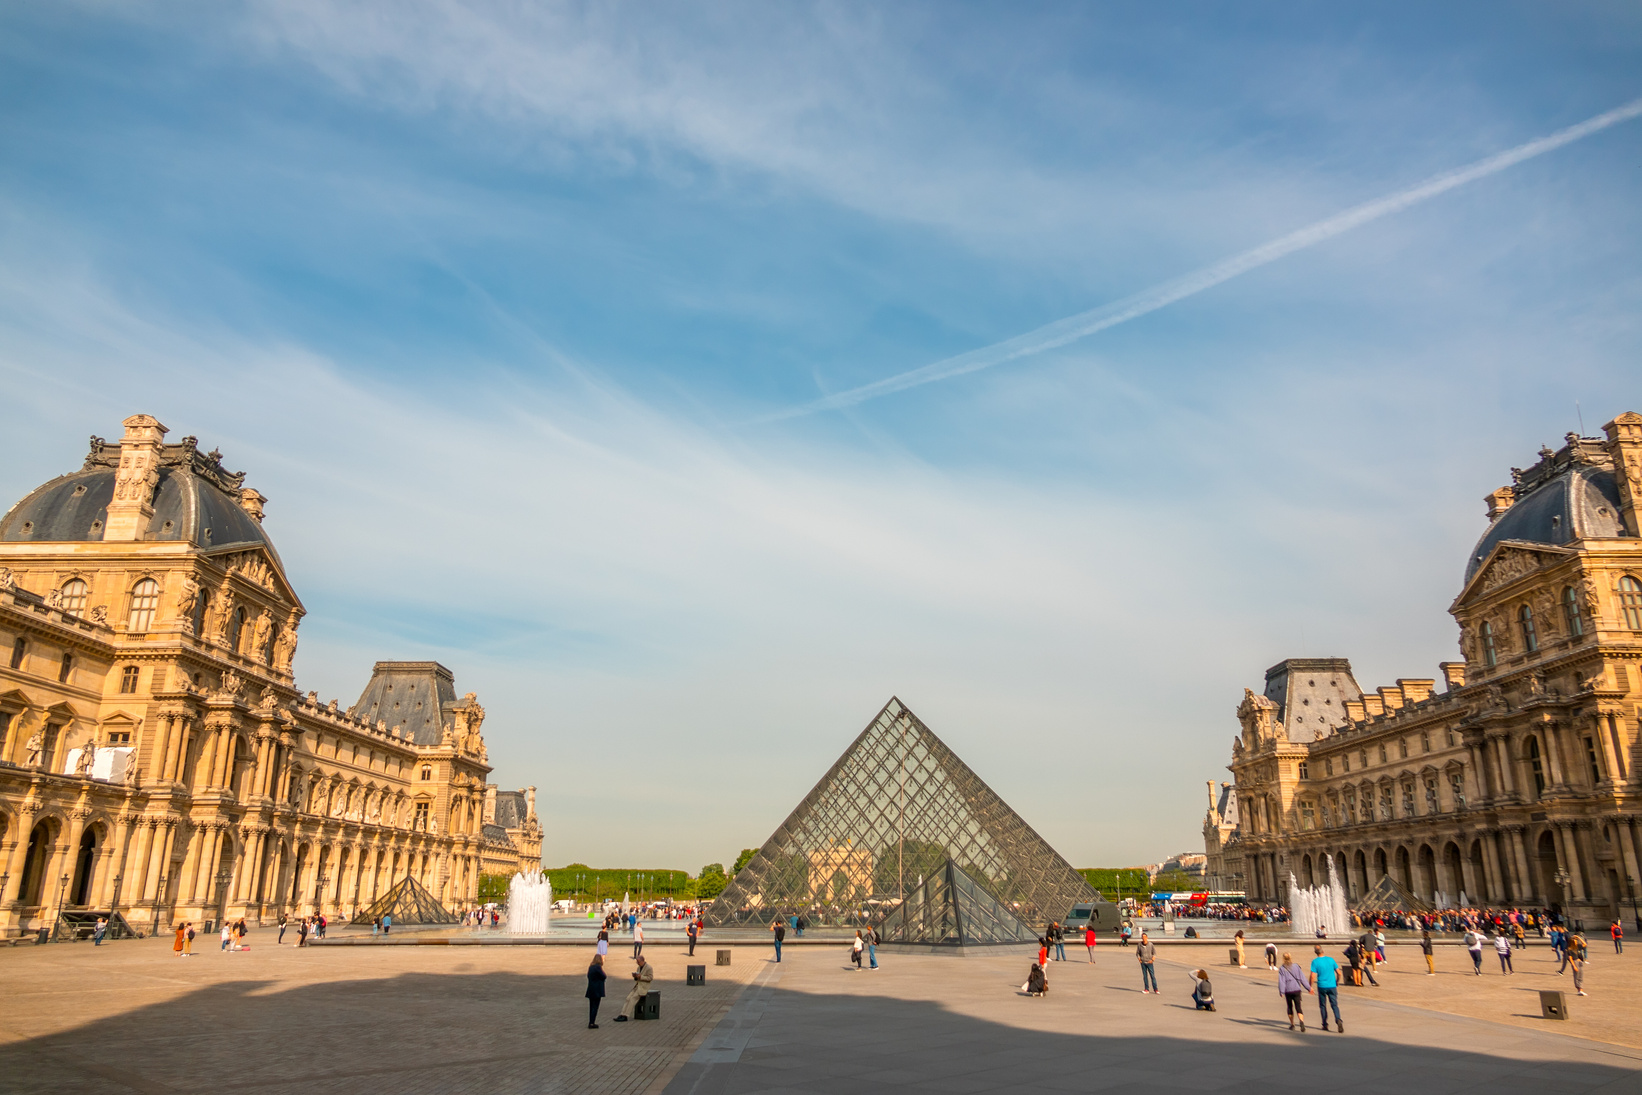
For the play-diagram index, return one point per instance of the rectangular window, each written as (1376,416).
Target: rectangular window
(5,730)
(1456,782)
(128,679)
(17,650)
(421,821)
(1351,807)
(48,745)
(1386,812)
(1590,755)
(1432,804)
(1308,816)
(1328,766)
(1304,771)
(1382,752)
(1402,747)
(1345,759)
(1425,741)
(65,669)
(1450,737)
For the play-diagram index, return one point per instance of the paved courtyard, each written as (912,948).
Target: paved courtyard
(130,1017)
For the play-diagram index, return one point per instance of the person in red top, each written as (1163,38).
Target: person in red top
(1089,941)
(1618,933)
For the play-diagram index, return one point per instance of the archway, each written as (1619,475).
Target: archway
(1427,872)
(1381,867)
(35,862)
(1359,874)
(1405,869)
(85,865)
(1306,877)
(1454,873)
(1545,857)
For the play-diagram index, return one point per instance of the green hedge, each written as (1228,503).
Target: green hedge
(582,883)
(1115,882)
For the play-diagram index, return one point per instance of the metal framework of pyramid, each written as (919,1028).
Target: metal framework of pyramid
(884,820)
(409,902)
(1387,896)
(950,909)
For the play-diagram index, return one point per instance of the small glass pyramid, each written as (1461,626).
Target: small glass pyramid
(949,908)
(409,902)
(890,815)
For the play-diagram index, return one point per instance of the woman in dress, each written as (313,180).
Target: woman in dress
(176,947)
(1238,939)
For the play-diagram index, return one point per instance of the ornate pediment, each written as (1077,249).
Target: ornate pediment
(1508,565)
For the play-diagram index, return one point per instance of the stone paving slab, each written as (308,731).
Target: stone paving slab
(961,1025)
(130,1016)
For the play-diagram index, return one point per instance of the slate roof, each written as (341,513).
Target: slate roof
(417,696)
(1579,501)
(1310,694)
(510,809)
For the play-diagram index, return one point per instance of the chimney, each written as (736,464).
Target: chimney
(490,804)
(1416,691)
(133,504)
(1499,501)
(1453,674)
(1625,446)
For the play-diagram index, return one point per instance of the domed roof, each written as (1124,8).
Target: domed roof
(195,500)
(1559,500)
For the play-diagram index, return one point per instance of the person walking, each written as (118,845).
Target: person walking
(227,935)
(1146,953)
(1090,940)
(1473,943)
(176,945)
(1427,950)
(690,934)
(387,923)
(1325,978)
(595,990)
(1379,947)
(1238,939)
(188,940)
(1618,933)
(872,948)
(1202,991)
(1502,947)
(100,931)
(641,988)
(280,942)
(1371,959)
(1579,974)
(1291,982)
(856,947)
(1271,956)
(780,931)
(638,939)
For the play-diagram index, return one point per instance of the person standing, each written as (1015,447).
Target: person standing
(595,991)
(1090,940)
(690,934)
(780,931)
(872,947)
(226,935)
(1238,939)
(176,946)
(188,940)
(638,939)
(602,947)
(1618,933)
(1579,974)
(1426,949)
(1146,953)
(856,947)
(100,931)
(1502,947)
(1057,936)
(1473,943)
(387,923)
(280,942)
(1291,982)
(1325,978)
(641,988)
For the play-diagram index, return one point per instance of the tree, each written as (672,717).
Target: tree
(711,883)
(493,887)
(1176,882)
(742,860)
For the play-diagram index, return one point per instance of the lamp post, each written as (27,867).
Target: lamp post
(62,885)
(159,898)
(114,900)
(1563,878)
(319,893)
(223,878)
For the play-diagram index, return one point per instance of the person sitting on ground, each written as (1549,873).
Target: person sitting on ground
(641,988)
(1036,985)
(1202,991)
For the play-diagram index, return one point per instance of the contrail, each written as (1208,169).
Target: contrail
(1087,323)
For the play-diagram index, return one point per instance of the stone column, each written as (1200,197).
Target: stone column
(1605,746)
(19,851)
(160,747)
(1527,881)
(1568,852)
(1627,848)
(1502,762)
(1497,889)
(76,829)
(1551,737)
(177,756)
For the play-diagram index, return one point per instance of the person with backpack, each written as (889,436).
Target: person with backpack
(1202,991)
(780,931)
(873,939)
(1502,946)
(1618,933)
(857,945)
(1473,943)
(1291,982)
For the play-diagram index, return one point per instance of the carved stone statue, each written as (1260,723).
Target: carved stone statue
(88,757)
(259,636)
(132,776)
(267,699)
(36,744)
(230,683)
(8,582)
(285,645)
(99,614)
(54,598)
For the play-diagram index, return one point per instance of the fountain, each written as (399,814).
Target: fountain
(1319,906)
(529,904)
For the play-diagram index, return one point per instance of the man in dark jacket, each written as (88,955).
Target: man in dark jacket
(780,931)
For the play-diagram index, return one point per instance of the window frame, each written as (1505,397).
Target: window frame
(1630,601)
(143,605)
(130,676)
(1490,650)
(74,602)
(1572,615)
(1530,633)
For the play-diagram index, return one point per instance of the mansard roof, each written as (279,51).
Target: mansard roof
(418,696)
(1568,495)
(1310,695)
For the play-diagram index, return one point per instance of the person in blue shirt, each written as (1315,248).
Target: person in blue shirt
(1325,977)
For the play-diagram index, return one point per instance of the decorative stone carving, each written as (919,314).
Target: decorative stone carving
(1510,566)
(285,645)
(99,615)
(259,636)
(188,596)
(230,684)
(54,598)
(225,612)
(8,581)
(88,757)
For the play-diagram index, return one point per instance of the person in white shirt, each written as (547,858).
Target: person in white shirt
(1502,946)
(638,939)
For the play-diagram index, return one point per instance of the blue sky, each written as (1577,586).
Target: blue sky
(503,306)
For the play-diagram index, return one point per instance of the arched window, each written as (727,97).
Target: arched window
(145,598)
(1536,765)
(1630,602)
(1490,656)
(74,596)
(427,771)
(236,628)
(1530,637)
(1571,614)
(202,605)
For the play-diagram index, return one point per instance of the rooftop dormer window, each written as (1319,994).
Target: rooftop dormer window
(1630,602)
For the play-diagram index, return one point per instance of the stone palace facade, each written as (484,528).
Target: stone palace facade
(156,757)
(1516,783)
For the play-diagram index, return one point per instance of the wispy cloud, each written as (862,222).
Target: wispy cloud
(1065,331)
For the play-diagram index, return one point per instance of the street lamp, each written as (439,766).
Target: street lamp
(223,878)
(159,897)
(62,884)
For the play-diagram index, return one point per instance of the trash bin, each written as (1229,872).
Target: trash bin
(210,926)
(1552,1004)
(1233,953)
(44,936)
(695,975)
(723,958)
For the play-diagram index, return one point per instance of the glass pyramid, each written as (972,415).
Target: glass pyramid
(888,817)
(951,909)
(409,902)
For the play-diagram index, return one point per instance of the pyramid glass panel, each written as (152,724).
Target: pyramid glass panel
(883,822)
(409,902)
(951,909)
